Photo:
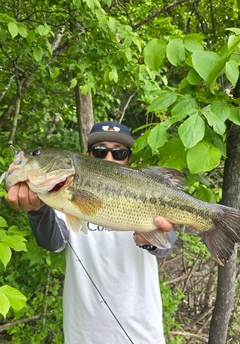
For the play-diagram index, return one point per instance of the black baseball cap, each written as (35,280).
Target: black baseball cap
(110,131)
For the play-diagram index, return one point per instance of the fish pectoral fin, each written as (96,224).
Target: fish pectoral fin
(157,238)
(85,201)
(76,224)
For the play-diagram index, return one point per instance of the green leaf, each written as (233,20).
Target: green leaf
(90,3)
(112,24)
(234,29)
(163,101)
(204,62)
(13,29)
(30,36)
(15,297)
(184,106)
(16,242)
(128,54)
(127,41)
(208,65)
(193,42)
(173,154)
(15,230)
(55,73)
(219,142)
(205,194)
(49,47)
(232,72)
(3,233)
(141,142)
(214,121)
(203,157)
(113,75)
(3,222)
(234,115)
(176,52)
(3,35)
(38,53)
(22,30)
(42,30)
(193,77)
(233,41)
(85,89)
(154,53)
(221,109)
(5,254)
(157,137)
(191,131)
(73,82)
(4,303)
(77,3)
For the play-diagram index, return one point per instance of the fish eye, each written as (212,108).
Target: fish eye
(36,152)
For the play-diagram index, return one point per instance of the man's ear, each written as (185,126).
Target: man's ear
(87,153)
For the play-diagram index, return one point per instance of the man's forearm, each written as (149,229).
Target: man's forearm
(50,232)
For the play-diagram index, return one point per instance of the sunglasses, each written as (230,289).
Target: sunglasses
(101,152)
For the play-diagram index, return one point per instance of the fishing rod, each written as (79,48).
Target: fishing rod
(103,299)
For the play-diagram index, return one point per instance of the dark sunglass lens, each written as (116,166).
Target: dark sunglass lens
(120,154)
(99,152)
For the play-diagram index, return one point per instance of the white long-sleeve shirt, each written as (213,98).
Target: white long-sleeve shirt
(125,275)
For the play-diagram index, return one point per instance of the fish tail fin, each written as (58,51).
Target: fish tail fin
(157,238)
(221,239)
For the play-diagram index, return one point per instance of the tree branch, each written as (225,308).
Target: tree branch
(188,334)
(7,87)
(17,322)
(126,106)
(155,14)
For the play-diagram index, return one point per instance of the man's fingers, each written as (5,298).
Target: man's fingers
(20,197)
(140,240)
(163,224)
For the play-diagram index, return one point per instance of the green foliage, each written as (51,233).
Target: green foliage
(39,275)
(11,297)
(170,302)
(10,239)
(193,247)
(192,111)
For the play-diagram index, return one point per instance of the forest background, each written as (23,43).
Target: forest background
(170,72)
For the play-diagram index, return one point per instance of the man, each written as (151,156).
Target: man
(111,291)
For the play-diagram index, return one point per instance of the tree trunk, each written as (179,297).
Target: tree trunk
(227,274)
(85,118)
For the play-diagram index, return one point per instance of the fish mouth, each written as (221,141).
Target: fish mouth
(58,186)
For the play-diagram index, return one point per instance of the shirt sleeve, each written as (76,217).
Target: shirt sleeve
(160,253)
(49,230)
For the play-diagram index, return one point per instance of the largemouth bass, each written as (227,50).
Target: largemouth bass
(123,198)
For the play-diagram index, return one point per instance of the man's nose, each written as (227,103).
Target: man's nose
(109,157)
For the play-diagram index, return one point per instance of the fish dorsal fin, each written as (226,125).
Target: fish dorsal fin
(76,224)
(165,175)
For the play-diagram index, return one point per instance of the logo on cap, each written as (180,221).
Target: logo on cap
(107,128)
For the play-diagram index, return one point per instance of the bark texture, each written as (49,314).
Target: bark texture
(227,274)
(85,118)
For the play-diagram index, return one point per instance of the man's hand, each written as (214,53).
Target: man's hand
(20,197)
(159,221)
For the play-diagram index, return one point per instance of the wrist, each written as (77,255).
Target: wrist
(148,247)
